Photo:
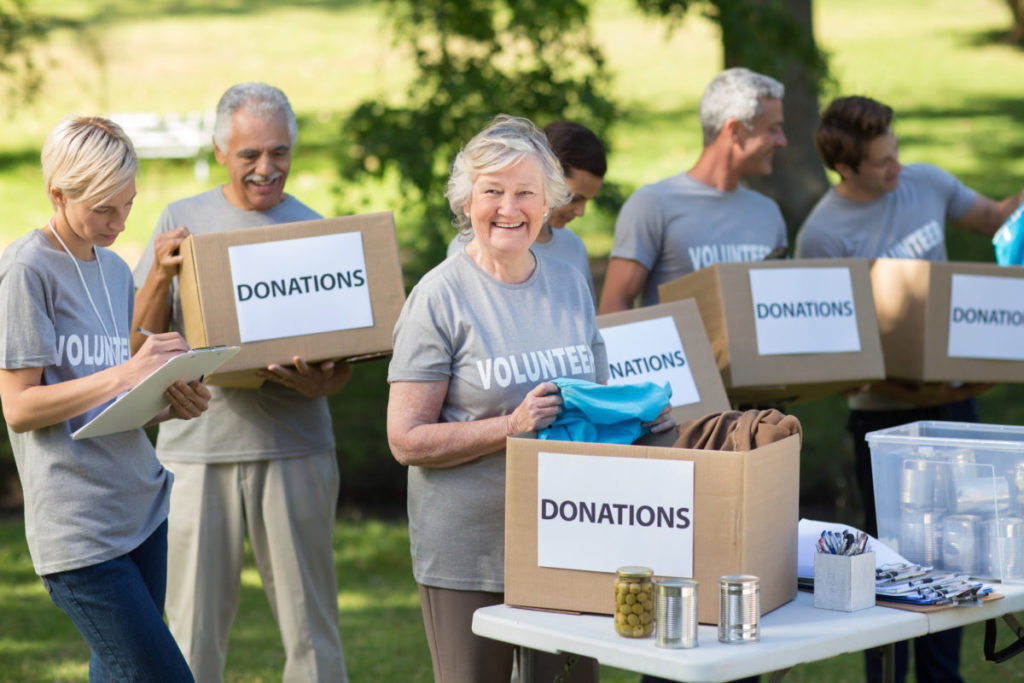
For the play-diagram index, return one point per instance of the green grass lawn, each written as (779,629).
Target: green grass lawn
(381,628)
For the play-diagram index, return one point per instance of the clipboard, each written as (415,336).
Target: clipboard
(135,408)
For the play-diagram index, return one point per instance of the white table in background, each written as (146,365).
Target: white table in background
(795,633)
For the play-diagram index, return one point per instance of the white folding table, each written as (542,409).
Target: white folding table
(792,634)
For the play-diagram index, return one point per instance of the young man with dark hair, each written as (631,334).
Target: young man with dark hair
(883,209)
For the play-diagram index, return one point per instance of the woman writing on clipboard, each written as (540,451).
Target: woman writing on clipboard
(95,509)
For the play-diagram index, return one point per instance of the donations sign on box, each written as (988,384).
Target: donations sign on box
(591,518)
(289,288)
(986,317)
(804,310)
(322,289)
(665,343)
(787,330)
(950,321)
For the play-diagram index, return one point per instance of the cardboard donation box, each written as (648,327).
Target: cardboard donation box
(665,343)
(576,512)
(787,330)
(321,289)
(949,321)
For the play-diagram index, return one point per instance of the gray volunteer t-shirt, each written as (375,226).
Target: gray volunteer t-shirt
(564,245)
(92,500)
(241,424)
(909,222)
(678,225)
(493,342)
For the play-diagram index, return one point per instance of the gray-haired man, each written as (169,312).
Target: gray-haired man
(694,219)
(263,463)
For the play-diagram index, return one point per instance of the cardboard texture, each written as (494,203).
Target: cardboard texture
(699,357)
(744,522)
(208,301)
(723,295)
(912,300)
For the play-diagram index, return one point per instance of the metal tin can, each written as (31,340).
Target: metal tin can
(1002,547)
(960,545)
(634,602)
(675,613)
(739,609)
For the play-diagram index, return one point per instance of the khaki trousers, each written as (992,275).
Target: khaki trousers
(287,506)
(461,656)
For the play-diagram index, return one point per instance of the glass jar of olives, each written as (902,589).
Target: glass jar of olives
(634,602)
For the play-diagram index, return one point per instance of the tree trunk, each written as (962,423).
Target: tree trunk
(798,178)
(1017,29)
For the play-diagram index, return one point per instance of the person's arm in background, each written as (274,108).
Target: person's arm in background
(152,305)
(986,215)
(623,283)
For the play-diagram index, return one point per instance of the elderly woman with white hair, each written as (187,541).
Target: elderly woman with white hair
(477,343)
(95,509)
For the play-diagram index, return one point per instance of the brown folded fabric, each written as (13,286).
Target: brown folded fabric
(734,430)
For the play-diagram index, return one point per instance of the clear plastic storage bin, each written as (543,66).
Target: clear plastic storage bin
(951,495)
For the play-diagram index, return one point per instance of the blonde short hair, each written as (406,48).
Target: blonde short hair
(505,141)
(88,158)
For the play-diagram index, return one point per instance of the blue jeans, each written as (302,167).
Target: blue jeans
(118,607)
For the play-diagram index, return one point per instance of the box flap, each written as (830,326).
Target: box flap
(188,290)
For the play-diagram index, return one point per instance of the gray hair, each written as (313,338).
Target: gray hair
(259,99)
(88,158)
(505,141)
(735,94)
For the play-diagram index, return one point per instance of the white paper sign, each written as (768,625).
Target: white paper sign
(986,317)
(601,513)
(650,351)
(804,310)
(301,286)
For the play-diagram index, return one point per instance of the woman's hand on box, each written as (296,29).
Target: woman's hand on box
(311,381)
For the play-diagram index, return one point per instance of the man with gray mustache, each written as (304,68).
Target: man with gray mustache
(264,462)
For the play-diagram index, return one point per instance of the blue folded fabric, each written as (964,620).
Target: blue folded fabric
(605,413)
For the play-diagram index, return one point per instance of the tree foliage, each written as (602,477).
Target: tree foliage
(764,35)
(474,59)
(19,28)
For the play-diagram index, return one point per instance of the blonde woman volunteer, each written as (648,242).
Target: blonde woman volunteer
(478,340)
(95,509)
